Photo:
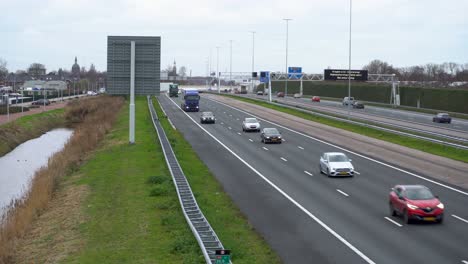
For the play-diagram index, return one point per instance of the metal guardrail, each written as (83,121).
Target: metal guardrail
(201,229)
(445,143)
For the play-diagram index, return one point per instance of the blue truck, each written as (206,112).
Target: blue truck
(191,101)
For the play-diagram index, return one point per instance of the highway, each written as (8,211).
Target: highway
(307,217)
(391,117)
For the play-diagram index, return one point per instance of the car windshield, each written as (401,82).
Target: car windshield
(419,194)
(251,120)
(192,97)
(338,158)
(272,131)
(443,115)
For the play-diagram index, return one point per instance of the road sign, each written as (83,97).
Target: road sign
(264,76)
(295,72)
(342,75)
(223,256)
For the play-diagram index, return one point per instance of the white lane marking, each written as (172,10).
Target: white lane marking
(394,222)
(283,159)
(230,127)
(230,115)
(250,140)
(222,123)
(349,151)
(461,219)
(343,193)
(300,147)
(265,148)
(464,261)
(239,133)
(308,173)
(238,119)
(224,112)
(357,172)
(303,209)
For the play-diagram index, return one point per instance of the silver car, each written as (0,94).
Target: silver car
(336,164)
(250,124)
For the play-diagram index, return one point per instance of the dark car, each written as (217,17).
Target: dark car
(358,105)
(415,202)
(207,117)
(442,118)
(280,94)
(271,135)
(41,102)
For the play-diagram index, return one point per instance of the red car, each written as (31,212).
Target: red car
(315,98)
(415,202)
(280,94)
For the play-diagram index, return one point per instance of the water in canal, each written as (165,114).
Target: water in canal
(18,166)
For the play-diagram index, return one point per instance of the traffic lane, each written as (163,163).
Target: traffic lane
(424,250)
(287,229)
(390,113)
(398,115)
(376,191)
(384,175)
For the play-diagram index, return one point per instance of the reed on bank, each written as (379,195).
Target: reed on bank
(91,119)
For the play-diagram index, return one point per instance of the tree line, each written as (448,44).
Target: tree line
(429,74)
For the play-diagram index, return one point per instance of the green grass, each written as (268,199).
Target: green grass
(133,213)
(429,147)
(228,222)
(126,222)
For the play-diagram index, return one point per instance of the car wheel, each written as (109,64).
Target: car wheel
(406,218)
(448,122)
(392,210)
(263,141)
(441,220)
(320,169)
(328,172)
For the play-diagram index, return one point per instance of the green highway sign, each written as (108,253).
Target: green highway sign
(223,256)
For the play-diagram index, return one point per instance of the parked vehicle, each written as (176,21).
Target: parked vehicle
(191,101)
(336,164)
(280,94)
(259,92)
(348,100)
(250,124)
(297,95)
(41,102)
(442,118)
(415,202)
(358,105)
(316,99)
(207,117)
(271,135)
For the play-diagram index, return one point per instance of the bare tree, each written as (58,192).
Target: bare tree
(379,67)
(36,70)
(183,71)
(3,69)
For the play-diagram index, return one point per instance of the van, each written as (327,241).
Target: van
(348,100)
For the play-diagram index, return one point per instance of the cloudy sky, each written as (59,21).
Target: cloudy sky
(401,32)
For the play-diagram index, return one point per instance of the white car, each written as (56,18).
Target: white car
(250,124)
(336,164)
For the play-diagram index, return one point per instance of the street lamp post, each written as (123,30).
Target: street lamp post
(253,57)
(287,29)
(349,62)
(217,68)
(230,65)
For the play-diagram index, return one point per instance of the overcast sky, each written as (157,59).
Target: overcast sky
(401,32)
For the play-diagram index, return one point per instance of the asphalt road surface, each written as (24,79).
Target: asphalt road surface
(400,118)
(307,217)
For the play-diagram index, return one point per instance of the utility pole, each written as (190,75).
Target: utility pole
(253,57)
(230,65)
(217,68)
(287,77)
(349,69)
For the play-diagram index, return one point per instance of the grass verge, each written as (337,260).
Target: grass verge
(27,127)
(228,222)
(429,147)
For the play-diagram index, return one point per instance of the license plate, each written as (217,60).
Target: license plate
(343,173)
(429,218)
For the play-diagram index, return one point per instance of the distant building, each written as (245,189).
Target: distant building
(75,70)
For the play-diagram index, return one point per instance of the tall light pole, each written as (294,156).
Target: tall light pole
(287,29)
(217,68)
(253,57)
(230,65)
(349,69)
